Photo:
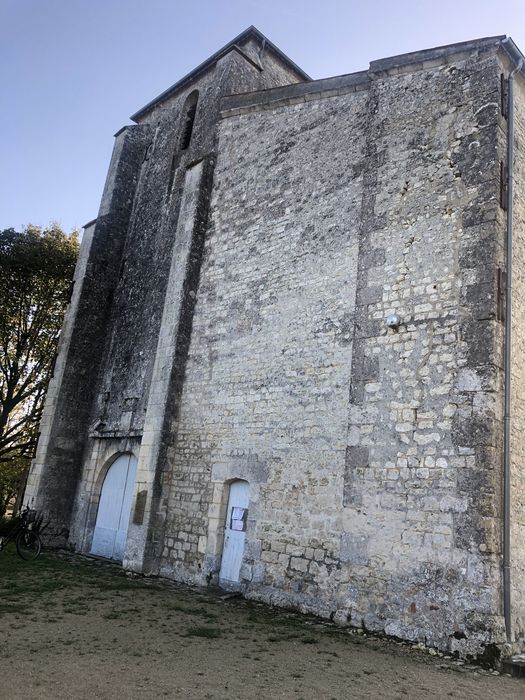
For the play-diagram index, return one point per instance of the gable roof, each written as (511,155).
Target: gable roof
(250,33)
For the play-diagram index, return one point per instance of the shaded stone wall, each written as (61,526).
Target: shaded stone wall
(56,470)
(144,267)
(373,456)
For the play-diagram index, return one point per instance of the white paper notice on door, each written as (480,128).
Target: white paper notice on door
(238,519)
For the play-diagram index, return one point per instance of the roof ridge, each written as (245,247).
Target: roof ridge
(250,31)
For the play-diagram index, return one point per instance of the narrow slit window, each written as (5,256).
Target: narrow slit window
(188,119)
(148,151)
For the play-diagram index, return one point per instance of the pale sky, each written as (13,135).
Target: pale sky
(72,71)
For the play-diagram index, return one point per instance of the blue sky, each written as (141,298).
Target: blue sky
(72,71)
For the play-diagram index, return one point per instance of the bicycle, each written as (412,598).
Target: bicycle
(25,533)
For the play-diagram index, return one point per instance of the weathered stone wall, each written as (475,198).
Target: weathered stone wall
(132,337)
(422,486)
(268,373)
(143,272)
(518,372)
(274,70)
(57,468)
(237,331)
(372,455)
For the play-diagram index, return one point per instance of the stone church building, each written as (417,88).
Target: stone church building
(287,366)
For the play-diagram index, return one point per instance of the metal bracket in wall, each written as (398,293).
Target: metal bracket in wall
(504,96)
(502,286)
(503,186)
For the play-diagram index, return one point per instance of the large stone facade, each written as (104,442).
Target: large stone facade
(228,323)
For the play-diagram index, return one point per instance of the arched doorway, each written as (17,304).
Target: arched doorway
(234,532)
(114,507)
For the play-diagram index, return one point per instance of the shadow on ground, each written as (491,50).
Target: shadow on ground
(79,628)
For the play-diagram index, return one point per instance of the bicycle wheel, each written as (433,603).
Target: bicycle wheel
(28,545)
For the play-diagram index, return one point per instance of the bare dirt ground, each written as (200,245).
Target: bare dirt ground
(75,628)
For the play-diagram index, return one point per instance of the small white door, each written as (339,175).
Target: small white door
(234,532)
(114,508)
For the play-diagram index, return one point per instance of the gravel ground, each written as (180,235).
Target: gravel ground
(78,628)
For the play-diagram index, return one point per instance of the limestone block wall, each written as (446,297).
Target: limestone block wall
(518,372)
(266,385)
(141,275)
(372,455)
(228,322)
(159,237)
(274,70)
(171,348)
(421,520)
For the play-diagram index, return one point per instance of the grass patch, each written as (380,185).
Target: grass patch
(206,632)
(119,583)
(114,615)
(188,610)
(57,584)
(13,607)
(75,611)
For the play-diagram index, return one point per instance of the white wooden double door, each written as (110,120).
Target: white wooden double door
(114,508)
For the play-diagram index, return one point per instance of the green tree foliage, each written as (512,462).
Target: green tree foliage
(36,270)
